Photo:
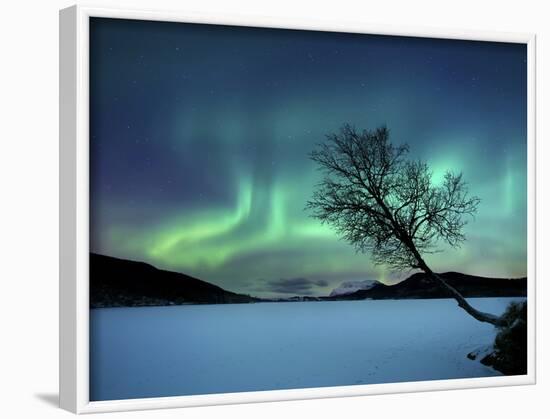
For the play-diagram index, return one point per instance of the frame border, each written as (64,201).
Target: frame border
(74,211)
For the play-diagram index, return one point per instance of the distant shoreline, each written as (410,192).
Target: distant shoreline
(320,300)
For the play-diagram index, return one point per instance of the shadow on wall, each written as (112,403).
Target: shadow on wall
(48,398)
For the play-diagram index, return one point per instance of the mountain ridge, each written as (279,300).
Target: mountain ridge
(116,282)
(418,285)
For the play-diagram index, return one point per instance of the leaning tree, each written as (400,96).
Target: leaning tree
(387,205)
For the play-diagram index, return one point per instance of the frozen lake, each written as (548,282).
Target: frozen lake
(203,349)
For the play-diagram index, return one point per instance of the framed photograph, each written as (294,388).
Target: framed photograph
(260,210)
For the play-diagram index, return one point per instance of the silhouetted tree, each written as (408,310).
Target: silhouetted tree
(388,206)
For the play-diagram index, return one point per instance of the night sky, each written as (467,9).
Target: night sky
(200,134)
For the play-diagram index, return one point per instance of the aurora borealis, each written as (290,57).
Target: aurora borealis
(200,134)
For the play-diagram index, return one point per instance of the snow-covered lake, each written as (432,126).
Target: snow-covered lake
(203,349)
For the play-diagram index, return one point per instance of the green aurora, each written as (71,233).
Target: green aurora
(200,140)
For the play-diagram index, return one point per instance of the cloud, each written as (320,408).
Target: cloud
(295,285)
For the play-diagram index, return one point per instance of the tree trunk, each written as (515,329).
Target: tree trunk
(476,314)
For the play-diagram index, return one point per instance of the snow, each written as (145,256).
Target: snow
(203,349)
(349,287)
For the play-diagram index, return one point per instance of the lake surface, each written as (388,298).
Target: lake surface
(203,349)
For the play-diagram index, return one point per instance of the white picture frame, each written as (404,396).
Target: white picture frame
(74,213)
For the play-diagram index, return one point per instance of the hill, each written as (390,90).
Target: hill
(124,283)
(419,285)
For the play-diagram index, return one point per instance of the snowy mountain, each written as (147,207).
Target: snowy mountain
(349,287)
(418,285)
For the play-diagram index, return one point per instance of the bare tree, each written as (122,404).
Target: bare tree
(388,206)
